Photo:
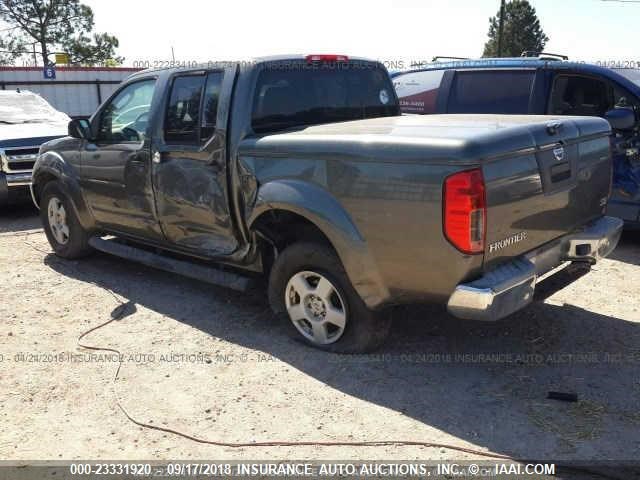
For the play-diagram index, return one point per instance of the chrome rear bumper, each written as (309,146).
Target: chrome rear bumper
(511,286)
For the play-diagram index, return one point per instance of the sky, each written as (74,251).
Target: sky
(202,30)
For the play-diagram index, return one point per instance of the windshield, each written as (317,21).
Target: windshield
(302,94)
(632,74)
(27,107)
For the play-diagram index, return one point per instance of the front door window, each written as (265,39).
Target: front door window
(126,117)
(582,96)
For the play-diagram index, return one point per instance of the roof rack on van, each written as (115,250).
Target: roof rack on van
(544,55)
(438,58)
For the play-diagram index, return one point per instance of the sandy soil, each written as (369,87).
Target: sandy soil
(217,365)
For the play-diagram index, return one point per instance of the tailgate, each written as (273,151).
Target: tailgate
(548,190)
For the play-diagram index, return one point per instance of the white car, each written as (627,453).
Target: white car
(26,122)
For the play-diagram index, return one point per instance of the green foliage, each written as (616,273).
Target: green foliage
(10,49)
(99,48)
(55,26)
(521,31)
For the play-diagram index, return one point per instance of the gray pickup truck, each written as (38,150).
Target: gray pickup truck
(301,170)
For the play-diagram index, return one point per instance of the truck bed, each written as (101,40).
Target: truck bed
(545,176)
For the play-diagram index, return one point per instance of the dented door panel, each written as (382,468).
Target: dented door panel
(191,183)
(191,199)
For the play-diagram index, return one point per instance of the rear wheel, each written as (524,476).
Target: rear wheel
(310,289)
(61,225)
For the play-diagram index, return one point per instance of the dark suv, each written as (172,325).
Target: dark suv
(534,85)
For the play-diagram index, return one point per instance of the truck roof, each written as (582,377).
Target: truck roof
(245,61)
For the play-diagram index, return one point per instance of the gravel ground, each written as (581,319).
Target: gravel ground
(216,364)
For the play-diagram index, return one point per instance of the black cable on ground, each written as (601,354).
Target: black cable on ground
(121,312)
(126,308)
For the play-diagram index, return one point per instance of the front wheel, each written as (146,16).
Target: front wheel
(61,225)
(309,287)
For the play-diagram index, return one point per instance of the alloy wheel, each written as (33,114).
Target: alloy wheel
(58,220)
(316,307)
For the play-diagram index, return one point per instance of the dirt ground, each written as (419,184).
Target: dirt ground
(217,365)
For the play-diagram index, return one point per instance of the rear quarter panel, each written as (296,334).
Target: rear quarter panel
(397,210)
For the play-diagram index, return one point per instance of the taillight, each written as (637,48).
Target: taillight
(465,211)
(326,58)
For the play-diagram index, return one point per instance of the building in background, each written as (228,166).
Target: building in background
(76,91)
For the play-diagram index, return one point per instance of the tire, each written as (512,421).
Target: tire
(61,225)
(308,282)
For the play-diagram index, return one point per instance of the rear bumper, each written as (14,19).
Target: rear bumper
(511,286)
(14,187)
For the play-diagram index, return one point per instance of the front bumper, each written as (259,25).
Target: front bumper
(511,286)
(14,187)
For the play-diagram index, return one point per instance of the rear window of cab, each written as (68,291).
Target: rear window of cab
(303,94)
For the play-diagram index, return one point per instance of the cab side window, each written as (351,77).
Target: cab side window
(192,110)
(496,91)
(583,96)
(183,111)
(126,117)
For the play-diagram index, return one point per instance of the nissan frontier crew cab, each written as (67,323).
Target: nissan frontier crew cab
(301,170)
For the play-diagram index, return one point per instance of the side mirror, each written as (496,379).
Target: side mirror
(621,118)
(80,128)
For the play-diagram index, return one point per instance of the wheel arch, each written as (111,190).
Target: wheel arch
(282,204)
(51,166)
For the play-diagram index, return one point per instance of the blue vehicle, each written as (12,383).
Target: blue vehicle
(540,85)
